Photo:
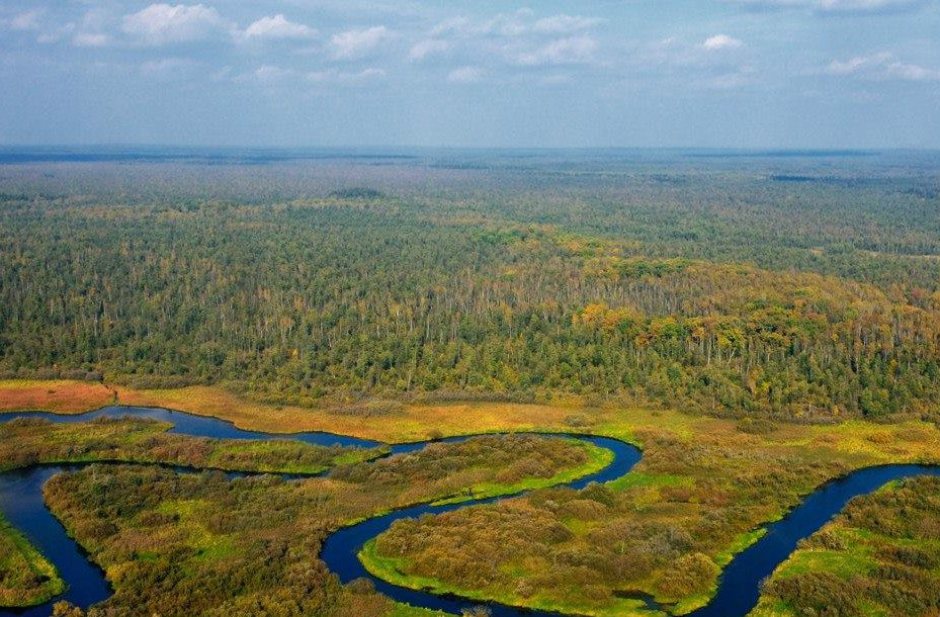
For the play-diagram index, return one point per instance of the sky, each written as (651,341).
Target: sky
(472,73)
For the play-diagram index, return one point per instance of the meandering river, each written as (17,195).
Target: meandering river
(21,501)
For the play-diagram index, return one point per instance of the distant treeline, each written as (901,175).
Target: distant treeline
(721,293)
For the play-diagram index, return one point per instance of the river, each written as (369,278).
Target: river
(21,501)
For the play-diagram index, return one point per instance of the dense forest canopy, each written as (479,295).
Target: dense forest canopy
(794,286)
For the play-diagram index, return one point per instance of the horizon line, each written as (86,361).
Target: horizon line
(373,147)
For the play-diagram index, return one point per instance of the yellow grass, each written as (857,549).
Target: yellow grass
(854,442)
(412,423)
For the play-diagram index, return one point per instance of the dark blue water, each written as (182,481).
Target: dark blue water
(194,426)
(22,503)
(739,587)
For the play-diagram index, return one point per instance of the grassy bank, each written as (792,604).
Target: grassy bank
(25,442)
(26,578)
(881,556)
(597,458)
(393,570)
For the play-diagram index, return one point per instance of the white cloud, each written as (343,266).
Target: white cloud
(335,76)
(223,74)
(912,72)
(426,48)
(507,24)
(453,26)
(720,42)
(668,52)
(165,65)
(515,24)
(565,24)
(854,65)
(91,39)
(466,75)
(160,24)
(571,50)
(278,27)
(835,6)
(712,64)
(28,20)
(864,5)
(168,68)
(92,30)
(519,38)
(732,80)
(556,79)
(881,66)
(268,73)
(353,44)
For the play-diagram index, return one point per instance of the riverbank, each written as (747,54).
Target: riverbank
(703,488)
(26,577)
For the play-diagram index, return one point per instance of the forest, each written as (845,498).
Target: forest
(802,288)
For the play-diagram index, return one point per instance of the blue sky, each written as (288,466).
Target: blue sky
(643,73)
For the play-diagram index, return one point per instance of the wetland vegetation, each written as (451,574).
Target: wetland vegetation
(25,442)
(26,577)
(204,531)
(664,531)
(881,556)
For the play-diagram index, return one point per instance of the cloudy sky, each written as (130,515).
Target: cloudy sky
(721,73)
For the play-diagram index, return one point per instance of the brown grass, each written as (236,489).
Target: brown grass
(61,396)
(410,423)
